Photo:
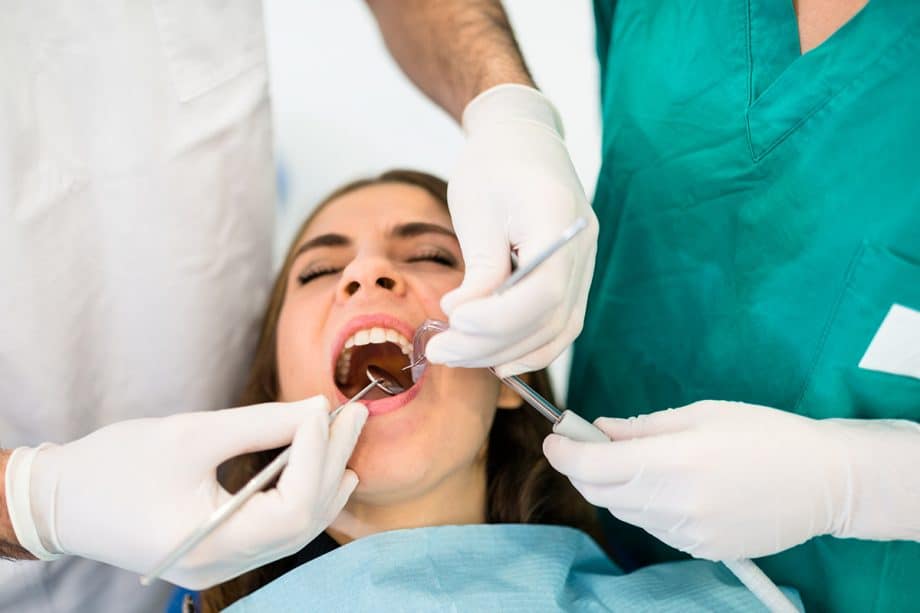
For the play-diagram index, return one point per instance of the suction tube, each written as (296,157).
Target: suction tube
(761,586)
(745,570)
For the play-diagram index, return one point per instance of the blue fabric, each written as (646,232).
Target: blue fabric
(493,568)
(178,597)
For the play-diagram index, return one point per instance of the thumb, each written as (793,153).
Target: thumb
(345,489)
(479,280)
(482,233)
(343,436)
(651,424)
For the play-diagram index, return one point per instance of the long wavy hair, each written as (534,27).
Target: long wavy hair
(521,487)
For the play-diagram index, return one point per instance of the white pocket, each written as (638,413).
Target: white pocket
(895,348)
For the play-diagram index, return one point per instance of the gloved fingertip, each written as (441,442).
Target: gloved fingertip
(313,418)
(349,424)
(359,414)
(465,319)
(614,427)
(461,295)
(317,403)
(350,481)
(551,446)
(438,350)
(362,418)
(511,369)
(451,300)
(347,486)
(478,282)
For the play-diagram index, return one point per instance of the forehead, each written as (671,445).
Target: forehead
(376,209)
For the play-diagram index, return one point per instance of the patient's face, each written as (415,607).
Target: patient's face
(375,264)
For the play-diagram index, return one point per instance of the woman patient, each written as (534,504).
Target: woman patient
(454,457)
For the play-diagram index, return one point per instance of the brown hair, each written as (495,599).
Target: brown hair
(521,486)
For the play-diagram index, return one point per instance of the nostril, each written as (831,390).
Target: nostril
(352,288)
(386,283)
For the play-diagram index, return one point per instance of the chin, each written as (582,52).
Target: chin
(388,468)
(382,487)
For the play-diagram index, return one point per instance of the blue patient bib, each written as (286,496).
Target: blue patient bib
(498,567)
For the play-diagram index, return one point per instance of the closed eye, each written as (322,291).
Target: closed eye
(442,258)
(305,277)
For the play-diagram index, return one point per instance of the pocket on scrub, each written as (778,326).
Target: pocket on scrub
(209,42)
(881,276)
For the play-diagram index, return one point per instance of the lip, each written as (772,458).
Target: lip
(364,322)
(387,405)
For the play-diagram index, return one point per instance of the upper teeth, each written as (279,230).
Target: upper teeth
(368,337)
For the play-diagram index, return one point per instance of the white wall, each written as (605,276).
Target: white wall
(343,109)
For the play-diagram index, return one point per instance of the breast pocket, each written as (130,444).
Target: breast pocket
(895,348)
(209,42)
(881,276)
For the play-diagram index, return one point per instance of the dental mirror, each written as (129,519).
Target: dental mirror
(384,380)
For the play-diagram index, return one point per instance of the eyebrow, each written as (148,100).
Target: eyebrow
(324,240)
(406,230)
(418,228)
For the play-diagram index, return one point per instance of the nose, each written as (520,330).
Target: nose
(370,275)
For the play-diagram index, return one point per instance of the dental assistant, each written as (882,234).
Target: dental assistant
(760,243)
(135,224)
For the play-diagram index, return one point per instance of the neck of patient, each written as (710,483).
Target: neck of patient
(458,499)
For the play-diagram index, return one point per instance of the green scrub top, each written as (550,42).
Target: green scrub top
(760,214)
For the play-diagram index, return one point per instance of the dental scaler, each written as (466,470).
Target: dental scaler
(575,427)
(226,510)
(567,423)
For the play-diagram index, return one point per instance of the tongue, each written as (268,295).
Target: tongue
(376,394)
(385,356)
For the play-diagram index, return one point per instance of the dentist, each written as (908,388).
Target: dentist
(760,244)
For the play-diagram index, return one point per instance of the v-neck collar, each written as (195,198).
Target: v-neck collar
(786,87)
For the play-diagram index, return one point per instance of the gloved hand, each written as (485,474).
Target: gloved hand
(128,493)
(515,187)
(724,480)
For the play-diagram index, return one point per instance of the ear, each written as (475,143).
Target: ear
(508,398)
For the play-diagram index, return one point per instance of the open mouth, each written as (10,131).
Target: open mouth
(380,346)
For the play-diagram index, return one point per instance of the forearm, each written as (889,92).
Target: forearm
(9,545)
(451,49)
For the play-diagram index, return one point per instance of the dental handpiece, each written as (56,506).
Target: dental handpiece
(226,510)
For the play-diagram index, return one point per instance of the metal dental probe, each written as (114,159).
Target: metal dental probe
(384,379)
(524,271)
(226,510)
(566,423)
(575,427)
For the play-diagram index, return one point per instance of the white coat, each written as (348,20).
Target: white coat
(136,195)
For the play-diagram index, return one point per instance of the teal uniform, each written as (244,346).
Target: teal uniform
(760,214)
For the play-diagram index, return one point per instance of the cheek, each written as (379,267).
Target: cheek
(299,352)
(430,291)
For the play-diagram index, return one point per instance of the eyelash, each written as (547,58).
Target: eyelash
(439,258)
(308,276)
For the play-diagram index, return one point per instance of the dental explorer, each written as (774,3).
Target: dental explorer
(226,510)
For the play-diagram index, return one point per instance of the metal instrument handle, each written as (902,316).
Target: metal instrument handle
(224,511)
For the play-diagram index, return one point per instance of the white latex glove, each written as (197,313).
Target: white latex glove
(128,493)
(515,187)
(724,480)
